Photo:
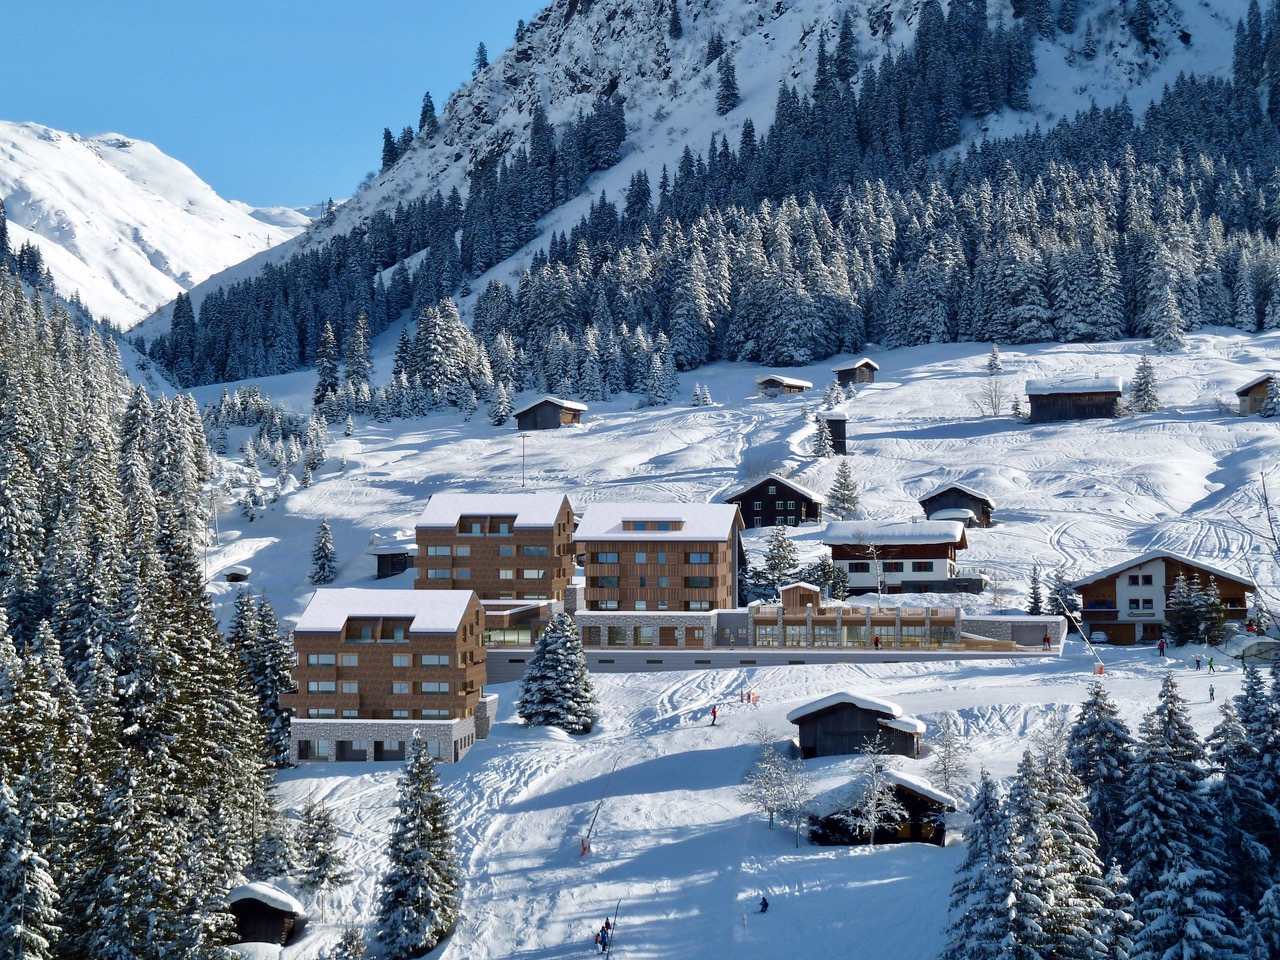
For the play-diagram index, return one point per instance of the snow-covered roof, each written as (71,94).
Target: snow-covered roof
(701,521)
(880,532)
(531,510)
(862,701)
(833,414)
(854,364)
(238,569)
(953,513)
(905,724)
(784,381)
(786,482)
(1253,383)
(1156,555)
(269,894)
(567,404)
(963,489)
(1091,384)
(920,786)
(432,611)
(255,951)
(802,584)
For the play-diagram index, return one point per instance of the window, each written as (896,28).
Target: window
(400,660)
(534,574)
(1133,604)
(397,633)
(438,551)
(1147,580)
(893,566)
(434,660)
(399,714)
(462,552)
(433,714)
(606,558)
(699,558)
(350,660)
(757,521)
(350,714)
(505,551)
(644,583)
(641,558)
(321,713)
(642,605)
(350,686)
(1148,604)
(462,573)
(664,581)
(471,528)
(504,530)
(400,686)
(322,686)
(791,504)
(439,574)
(922,566)
(697,583)
(433,686)
(606,604)
(506,574)
(860,566)
(533,596)
(699,604)
(662,557)
(757,505)
(366,633)
(772,490)
(533,551)
(662,604)
(1133,579)
(607,583)
(780,505)
(321,659)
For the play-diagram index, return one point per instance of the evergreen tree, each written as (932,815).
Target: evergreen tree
(727,96)
(1089,48)
(1181,623)
(323,865)
(358,366)
(324,558)
(28,892)
(1242,810)
(1271,405)
(326,367)
(781,561)
(979,892)
(556,688)
(1035,594)
(846,59)
(350,946)
(1100,749)
(842,499)
(994,363)
(950,751)
(481,60)
(1144,397)
(428,125)
(418,893)
(675,29)
(822,448)
(500,407)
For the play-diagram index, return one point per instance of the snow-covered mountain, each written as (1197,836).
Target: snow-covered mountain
(120,222)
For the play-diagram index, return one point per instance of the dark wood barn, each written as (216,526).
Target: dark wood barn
(1079,398)
(1254,394)
(549,413)
(837,426)
(856,371)
(266,914)
(843,723)
(775,384)
(925,822)
(974,508)
(776,501)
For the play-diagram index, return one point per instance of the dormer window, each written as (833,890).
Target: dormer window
(659,525)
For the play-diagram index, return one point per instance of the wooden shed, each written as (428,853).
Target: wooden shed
(395,553)
(1253,394)
(844,722)
(925,806)
(838,428)
(1074,398)
(266,914)
(856,371)
(549,413)
(775,384)
(955,501)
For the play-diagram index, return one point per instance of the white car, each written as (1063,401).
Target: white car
(1098,637)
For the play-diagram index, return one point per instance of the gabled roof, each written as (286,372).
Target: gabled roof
(854,364)
(883,532)
(920,786)
(269,894)
(803,491)
(432,611)
(954,513)
(1156,555)
(785,381)
(532,511)
(861,701)
(835,413)
(963,489)
(1052,385)
(1253,383)
(803,585)
(702,521)
(567,404)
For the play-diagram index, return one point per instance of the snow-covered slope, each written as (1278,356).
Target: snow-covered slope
(122,223)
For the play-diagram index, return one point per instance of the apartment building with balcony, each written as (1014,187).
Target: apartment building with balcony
(901,556)
(375,667)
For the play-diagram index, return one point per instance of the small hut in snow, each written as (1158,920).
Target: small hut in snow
(844,722)
(925,806)
(856,371)
(549,413)
(1074,398)
(266,914)
(774,384)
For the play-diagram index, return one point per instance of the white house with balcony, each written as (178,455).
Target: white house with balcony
(901,556)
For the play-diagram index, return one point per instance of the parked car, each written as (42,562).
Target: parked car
(1099,636)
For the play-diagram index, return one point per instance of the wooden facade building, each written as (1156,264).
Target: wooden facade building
(838,428)
(856,371)
(776,501)
(1253,395)
(549,413)
(899,556)
(1074,398)
(774,384)
(266,914)
(955,501)
(1127,601)
(845,722)
(502,546)
(924,821)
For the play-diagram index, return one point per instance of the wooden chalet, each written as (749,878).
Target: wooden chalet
(901,556)
(776,501)
(774,384)
(856,371)
(1253,395)
(1074,398)
(844,723)
(955,501)
(549,413)
(266,914)
(838,428)
(925,822)
(1127,602)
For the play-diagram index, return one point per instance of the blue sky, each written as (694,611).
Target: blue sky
(269,101)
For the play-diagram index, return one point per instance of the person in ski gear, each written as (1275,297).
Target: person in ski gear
(1197,663)
(713,716)
(875,641)
(764,905)
(1211,664)
(1160,648)
(1048,641)
(1211,693)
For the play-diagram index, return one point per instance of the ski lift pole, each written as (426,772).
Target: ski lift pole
(1099,668)
(613,931)
(586,841)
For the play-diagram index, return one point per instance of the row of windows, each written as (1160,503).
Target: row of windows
(892,566)
(366,636)
(329,713)
(447,551)
(660,557)
(777,505)
(398,660)
(789,521)
(464,573)
(397,686)
(659,605)
(694,583)
(475,528)
(1143,580)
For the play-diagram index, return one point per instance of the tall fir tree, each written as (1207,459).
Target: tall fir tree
(842,499)
(556,688)
(324,558)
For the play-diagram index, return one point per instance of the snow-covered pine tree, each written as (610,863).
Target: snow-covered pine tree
(727,93)
(949,753)
(1271,405)
(500,407)
(842,499)
(1100,749)
(1035,593)
(994,364)
(1242,811)
(324,557)
(358,368)
(349,427)
(418,893)
(1144,396)
(1063,600)
(781,560)
(323,864)
(822,448)
(326,366)
(1181,624)
(350,946)
(556,688)
(276,854)
(833,395)
(977,908)
(28,892)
